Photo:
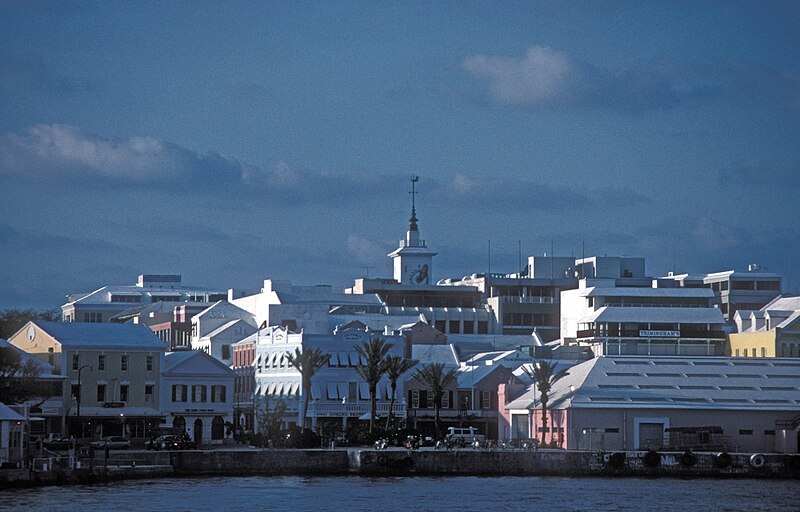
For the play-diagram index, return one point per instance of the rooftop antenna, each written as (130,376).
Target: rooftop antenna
(366,269)
(490,257)
(552,256)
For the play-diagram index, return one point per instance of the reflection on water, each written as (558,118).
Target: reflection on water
(344,494)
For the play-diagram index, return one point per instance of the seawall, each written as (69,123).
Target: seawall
(401,462)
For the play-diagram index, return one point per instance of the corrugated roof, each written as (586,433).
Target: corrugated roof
(647,292)
(440,354)
(669,382)
(83,334)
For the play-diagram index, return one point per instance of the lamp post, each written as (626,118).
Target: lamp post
(78,398)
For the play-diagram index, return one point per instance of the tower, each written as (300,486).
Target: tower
(413,259)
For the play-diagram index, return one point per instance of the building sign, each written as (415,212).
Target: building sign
(660,334)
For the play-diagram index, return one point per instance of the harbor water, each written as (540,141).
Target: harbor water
(352,493)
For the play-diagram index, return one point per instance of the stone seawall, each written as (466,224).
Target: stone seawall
(400,462)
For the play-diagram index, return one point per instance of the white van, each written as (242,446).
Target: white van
(466,435)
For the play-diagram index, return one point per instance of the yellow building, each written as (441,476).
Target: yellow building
(772,331)
(113,372)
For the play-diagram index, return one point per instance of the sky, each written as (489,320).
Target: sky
(233,142)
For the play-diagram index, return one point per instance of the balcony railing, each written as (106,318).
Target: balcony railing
(532,299)
(634,333)
(350,410)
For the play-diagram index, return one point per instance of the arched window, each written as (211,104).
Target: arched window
(217,428)
(745,352)
(763,352)
(179,422)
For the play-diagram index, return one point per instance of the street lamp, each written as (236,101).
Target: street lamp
(78,398)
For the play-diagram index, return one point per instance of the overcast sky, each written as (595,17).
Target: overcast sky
(236,141)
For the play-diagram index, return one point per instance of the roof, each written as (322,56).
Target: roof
(173,360)
(676,383)
(655,315)
(45,368)
(624,291)
(7,414)
(440,354)
(83,334)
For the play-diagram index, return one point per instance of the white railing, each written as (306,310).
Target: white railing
(531,299)
(353,409)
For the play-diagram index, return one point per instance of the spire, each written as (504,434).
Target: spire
(413,225)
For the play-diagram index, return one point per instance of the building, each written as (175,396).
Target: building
(646,321)
(104,303)
(12,438)
(197,395)
(113,371)
(218,327)
(338,394)
(772,331)
(736,290)
(635,403)
(244,387)
(172,324)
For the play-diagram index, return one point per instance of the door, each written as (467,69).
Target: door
(198,431)
(651,436)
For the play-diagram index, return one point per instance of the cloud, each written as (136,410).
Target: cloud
(545,77)
(365,250)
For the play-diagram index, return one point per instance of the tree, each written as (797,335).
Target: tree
(396,366)
(542,374)
(12,320)
(436,380)
(373,354)
(19,378)
(308,362)
(270,419)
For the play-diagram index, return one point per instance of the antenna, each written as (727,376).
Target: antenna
(366,269)
(490,257)
(414,180)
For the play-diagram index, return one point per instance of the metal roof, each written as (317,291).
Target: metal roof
(84,334)
(655,315)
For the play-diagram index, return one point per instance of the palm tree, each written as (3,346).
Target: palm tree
(542,374)
(396,366)
(372,368)
(307,362)
(436,380)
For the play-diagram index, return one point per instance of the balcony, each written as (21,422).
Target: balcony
(532,299)
(350,410)
(635,333)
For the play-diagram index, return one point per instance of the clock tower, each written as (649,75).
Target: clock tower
(413,259)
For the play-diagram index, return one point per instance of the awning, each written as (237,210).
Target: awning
(363,391)
(316,394)
(333,392)
(343,360)
(343,390)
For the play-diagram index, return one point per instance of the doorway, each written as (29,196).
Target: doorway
(198,432)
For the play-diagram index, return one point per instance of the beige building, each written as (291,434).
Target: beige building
(113,373)
(772,331)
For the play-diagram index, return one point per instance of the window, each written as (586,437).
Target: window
(218,394)
(93,317)
(447,400)
(149,363)
(101,392)
(763,352)
(745,432)
(75,390)
(101,362)
(415,399)
(226,351)
(743,285)
(769,432)
(123,364)
(125,298)
(51,356)
(486,399)
(179,393)
(123,393)
(198,393)
(769,285)
(737,352)
(148,392)
(612,431)
(76,361)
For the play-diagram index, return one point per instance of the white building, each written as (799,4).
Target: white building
(102,304)
(197,395)
(338,393)
(633,320)
(218,327)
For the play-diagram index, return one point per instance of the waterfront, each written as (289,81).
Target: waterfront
(413,493)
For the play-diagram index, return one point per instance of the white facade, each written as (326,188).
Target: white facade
(218,327)
(336,391)
(197,395)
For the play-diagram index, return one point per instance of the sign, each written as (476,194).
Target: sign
(660,334)
(114,405)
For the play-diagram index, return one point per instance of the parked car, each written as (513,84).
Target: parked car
(167,442)
(112,443)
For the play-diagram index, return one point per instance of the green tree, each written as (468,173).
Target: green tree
(308,362)
(12,320)
(436,380)
(19,378)
(271,418)
(396,366)
(543,375)
(373,354)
